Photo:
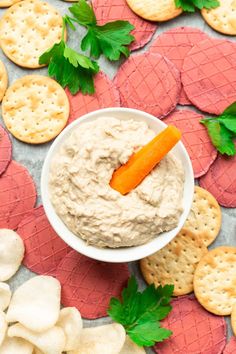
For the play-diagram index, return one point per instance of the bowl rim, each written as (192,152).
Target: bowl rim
(116,255)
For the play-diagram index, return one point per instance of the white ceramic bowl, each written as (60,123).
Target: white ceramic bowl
(120,254)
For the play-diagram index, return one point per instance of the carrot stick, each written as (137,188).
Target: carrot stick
(140,164)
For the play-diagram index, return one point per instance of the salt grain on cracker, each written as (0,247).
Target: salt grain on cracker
(153,10)
(3,80)
(175,263)
(215,280)
(27,30)
(35,109)
(205,216)
(222,18)
(233,318)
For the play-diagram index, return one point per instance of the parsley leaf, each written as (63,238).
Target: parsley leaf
(111,39)
(140,313)
(70,68)
(222,130)
(191,5)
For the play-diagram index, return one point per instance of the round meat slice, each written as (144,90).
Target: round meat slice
(17,195)
(113,10)
(106,95)
(231,346)
(175,44)
(149,82)
(194,329)
(195,138)
(89,285)
(44,249)
(220,181)
(209,75)
(5,148)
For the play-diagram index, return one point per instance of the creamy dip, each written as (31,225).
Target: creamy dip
(82,197)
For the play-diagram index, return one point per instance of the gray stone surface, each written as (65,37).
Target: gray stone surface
(33,156)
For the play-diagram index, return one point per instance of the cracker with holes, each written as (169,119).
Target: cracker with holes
(27,30)
(233,318)
(205,216)
(35,109)
(222,18)
(3,80)
(153,10)
(175,263)
(215,280)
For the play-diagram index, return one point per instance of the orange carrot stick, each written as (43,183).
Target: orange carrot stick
(140,164)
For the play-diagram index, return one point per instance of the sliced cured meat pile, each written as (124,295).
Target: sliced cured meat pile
(149,82)
(89,285)
(5,150)
(106,95)
(220,180)
(195,138)
(209,75)
(44,249)
(17,195)
(194,329)
(175,44)
(114,10)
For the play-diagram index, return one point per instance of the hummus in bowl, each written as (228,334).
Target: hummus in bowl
(97,220)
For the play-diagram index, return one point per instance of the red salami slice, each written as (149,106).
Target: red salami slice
(106,95)
(209,75)
(17,195)
(230,347)
(220,180)
(44,249)
(195,331)
(175,44)
(113,10)
(89,284)
(195,138)
(5,150)
(149,82)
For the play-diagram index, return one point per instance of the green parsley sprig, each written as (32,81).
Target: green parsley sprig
(69,67)
(222,130)
(140,313)
(192,5)
(111,39)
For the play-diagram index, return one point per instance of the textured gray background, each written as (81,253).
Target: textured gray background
(33,156)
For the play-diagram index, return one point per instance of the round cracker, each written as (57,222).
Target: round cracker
(222,18)
(149,82)
(233,319)
(153,10)
(215,280)
(35,109)
(205,216)
(113,10)
(175,263)
(3,80)
(209,75)
(195,331)
(106,95)
(195,139)
(27,30)
(8,3)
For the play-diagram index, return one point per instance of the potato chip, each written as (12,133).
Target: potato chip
(16,346)
(131,348)
(3,326)
(51,341)
(71,323)
(107,339)
(11,253)
(5,296)
(36,351)
(36,303)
